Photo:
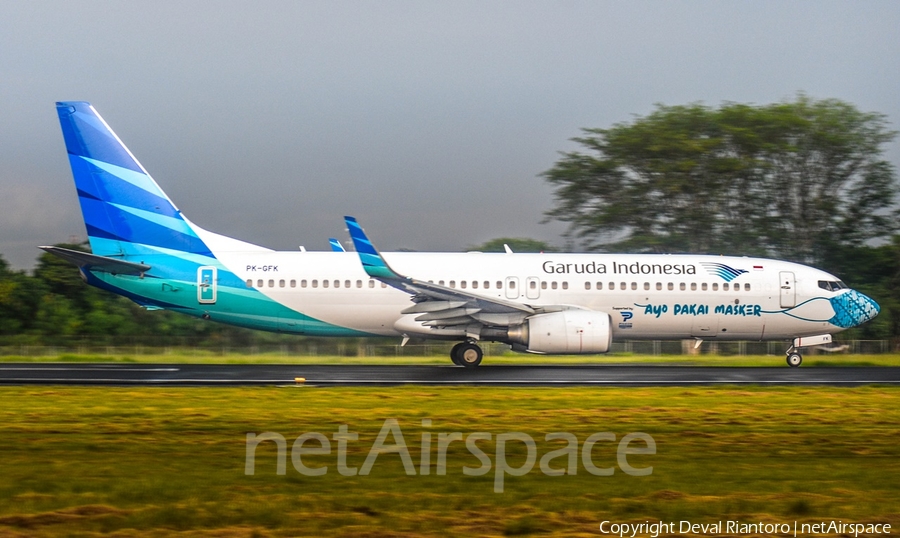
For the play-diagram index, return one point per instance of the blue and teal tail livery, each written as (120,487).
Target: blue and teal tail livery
(124,209)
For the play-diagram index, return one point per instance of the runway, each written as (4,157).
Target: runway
(372,375)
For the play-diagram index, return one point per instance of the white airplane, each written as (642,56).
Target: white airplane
(145,249)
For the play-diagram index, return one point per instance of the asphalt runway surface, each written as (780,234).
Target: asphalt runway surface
(386,375)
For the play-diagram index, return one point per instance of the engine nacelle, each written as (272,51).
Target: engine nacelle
(566,332)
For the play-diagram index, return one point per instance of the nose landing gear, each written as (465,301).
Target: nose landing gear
(794,359)
(468,354)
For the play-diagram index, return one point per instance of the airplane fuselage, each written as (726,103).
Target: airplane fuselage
(647,296)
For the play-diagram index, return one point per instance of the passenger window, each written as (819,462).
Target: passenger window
(452,283)
(441,282)
(293,283)
(703,286)
(371,283)
(623,286)
(671,286)
(281,283)
(587,285)
(487,284)
(512,284)
(565,285)
(324,283)
(682,287)
(634,285)
(271,283)
(659,285)
(383,285)
(553,285)
(359,283)
(259,283)
(303,283)
(599,286)
(612,286)
(249,283)
(337,283)
(715,286)
(746,286)
(346,283)
(646,285)
(462,284)
(693,286)
(532,284)
(725,286)
(499,284)
(544,285)
(475,284)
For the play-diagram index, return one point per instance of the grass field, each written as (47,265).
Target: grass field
(160,461)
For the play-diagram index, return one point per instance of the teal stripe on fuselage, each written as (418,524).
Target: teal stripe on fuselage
(235,304)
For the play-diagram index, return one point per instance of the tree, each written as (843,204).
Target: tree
(793,180)
(19,300)
(517,244)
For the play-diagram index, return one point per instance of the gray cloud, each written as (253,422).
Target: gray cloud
(430,122)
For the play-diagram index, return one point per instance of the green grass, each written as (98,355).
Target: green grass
(84,461)
(199,357)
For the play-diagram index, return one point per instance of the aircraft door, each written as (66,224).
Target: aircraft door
(206,285)
(533,287)
(788,289)
(512,287)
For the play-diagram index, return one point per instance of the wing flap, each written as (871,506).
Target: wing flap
(431,306)
(448,314)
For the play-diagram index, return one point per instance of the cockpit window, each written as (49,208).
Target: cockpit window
(832,285)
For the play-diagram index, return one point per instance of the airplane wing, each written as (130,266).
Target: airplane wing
(336,245)
(437,306)
(97,263)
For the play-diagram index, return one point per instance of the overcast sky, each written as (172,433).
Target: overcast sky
(430,122)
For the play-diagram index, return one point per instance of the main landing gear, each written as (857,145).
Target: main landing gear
(466,354)
(794,359)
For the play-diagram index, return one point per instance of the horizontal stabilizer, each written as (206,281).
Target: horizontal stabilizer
(97,263)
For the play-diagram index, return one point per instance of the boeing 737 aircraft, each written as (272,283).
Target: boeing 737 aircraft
(145,249)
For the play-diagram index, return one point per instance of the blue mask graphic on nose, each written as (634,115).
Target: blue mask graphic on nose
(852,308)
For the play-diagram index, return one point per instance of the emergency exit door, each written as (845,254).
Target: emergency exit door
(206,285)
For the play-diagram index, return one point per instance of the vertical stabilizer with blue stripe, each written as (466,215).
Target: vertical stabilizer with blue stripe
(124,210)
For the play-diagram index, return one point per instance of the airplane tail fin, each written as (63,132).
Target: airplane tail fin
(125,211)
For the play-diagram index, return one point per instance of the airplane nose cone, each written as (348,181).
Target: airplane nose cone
(852,308)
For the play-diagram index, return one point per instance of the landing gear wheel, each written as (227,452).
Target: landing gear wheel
(794,359)
(454,353)
(469,354)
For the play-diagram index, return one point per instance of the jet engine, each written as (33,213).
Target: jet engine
(566,332)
